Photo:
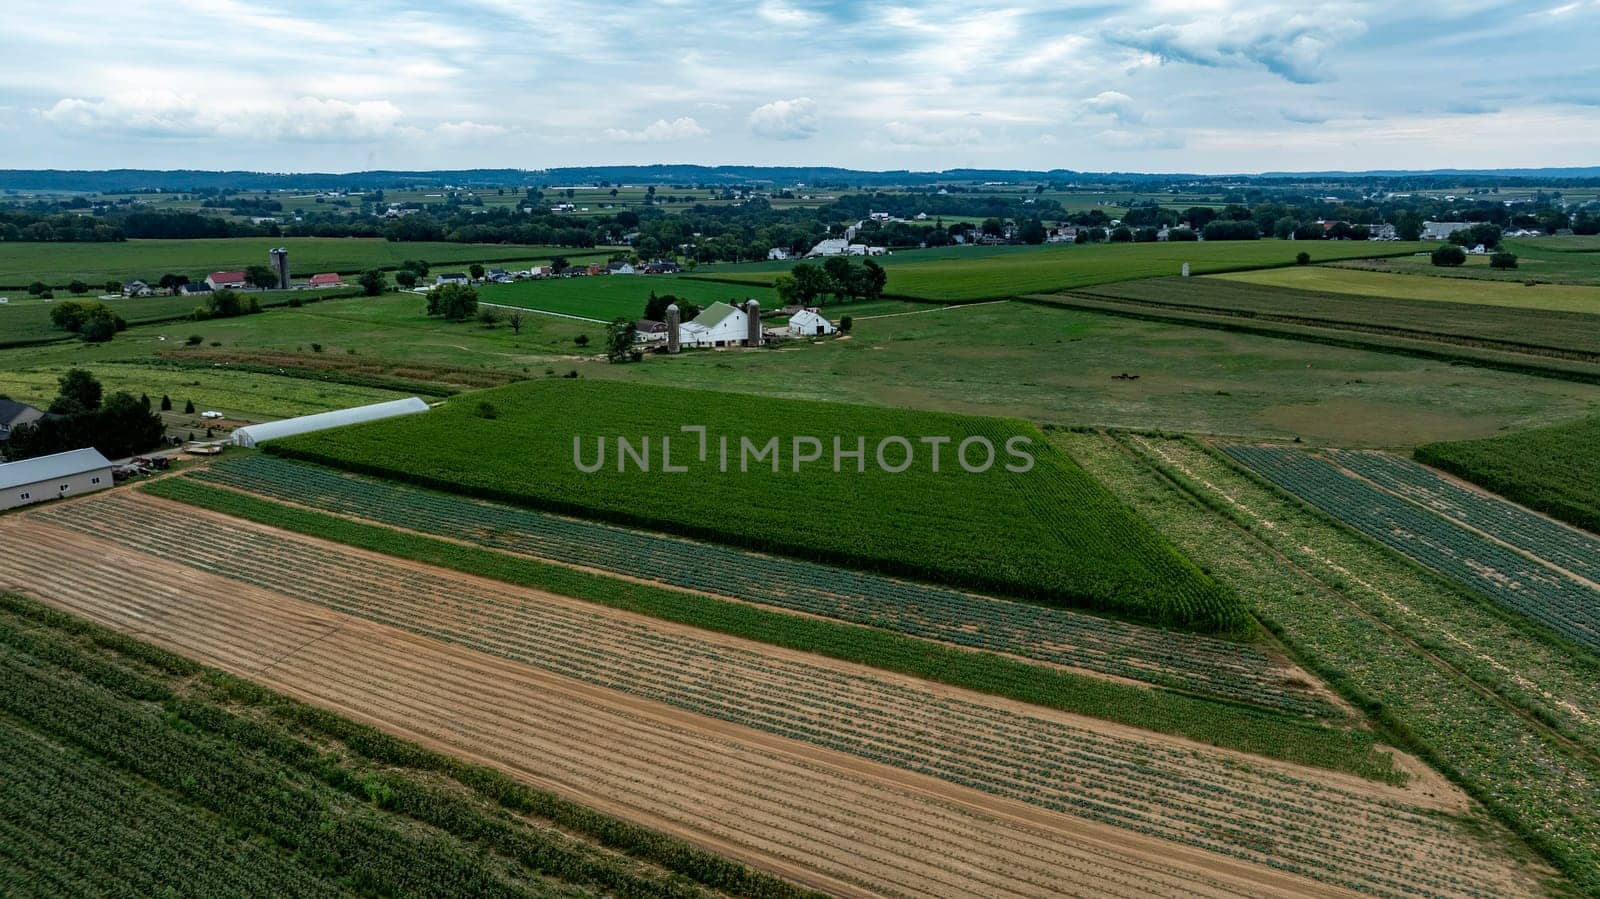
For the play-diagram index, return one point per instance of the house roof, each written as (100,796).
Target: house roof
(196,287)
(650,326)
(714,314)
(11,410)
(225,277)
(50,468)
(325,278)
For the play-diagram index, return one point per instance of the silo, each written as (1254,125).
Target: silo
(672,327)
(280,265)
(752,309)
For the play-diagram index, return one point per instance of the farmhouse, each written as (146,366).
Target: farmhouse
(326,279)
(719,324)
(451,278)
(620,267)
(13,413)
(250,435)
(777,254)
(219,280)
(52,477)
(810,323)
(136,289)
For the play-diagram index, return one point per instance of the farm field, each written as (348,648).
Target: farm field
(27,320)
(1330,279)
(982,273)
(1197,664)
(1554,470)
(1510,577)
(504,666)
(1558,260)
(1504,713)
(57,263)
(1061,365)
(258,795)
(1565,547)
(1462,328)
(617,296)
(1049,533)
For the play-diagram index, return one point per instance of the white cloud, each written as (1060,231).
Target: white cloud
(785,119)
(1115,104)
(170,114)
(659,131)
(922,136)
(1291,45)
(785,15)
(1123,139)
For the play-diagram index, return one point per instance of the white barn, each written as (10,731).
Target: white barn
(719,324)
(810,323)
(52,477)
(250,435)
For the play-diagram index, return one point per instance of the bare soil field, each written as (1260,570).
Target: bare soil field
(844,778)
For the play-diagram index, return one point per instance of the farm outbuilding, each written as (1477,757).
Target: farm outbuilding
(809,323)
(52,477)
(250,435)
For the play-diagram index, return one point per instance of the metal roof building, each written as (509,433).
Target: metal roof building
(51,477)
(250,435)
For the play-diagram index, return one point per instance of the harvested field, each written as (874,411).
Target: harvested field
(858,769)
(1200,664)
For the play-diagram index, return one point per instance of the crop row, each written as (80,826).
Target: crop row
(1570,549)
(1178,793)
(1059,636)
(1555,470)
(1508,578)
(1048,533)
(1375,626)
(364,819)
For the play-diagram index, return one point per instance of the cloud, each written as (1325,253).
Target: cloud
(173,115)
(1115,104)
(785,119)
(1470,107)
(1292,46)
(659,131)
(784,15)
(921,136)
(467,131)
(1302,117)
(1138,140)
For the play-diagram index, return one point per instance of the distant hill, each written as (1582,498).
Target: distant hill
(123,180)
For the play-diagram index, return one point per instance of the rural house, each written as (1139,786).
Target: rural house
(810,323)
(136,289)
(621,267)
(219,280)
(13,413)
(52,477)
(451,278)
(1442,230)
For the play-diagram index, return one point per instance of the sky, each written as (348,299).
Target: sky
(1207,86)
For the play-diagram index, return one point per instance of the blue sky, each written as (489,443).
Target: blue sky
(1198,85)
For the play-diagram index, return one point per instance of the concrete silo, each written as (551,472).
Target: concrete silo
(280,265)
(752,310)
(674,320)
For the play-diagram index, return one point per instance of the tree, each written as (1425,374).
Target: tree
(559,264)
(1179,235)
(993,227)
(98,329)
(166,403)
(515,321)
(1032,232)
(406,278)
(488,316)
(224,303)
(874,279)
(37,288)
(805,285)
(1449,255)
(188,407)
(1227,229)
(1121,234)
(171,282)
(456,302)
(373,282)
(841,277)
(582,340)
(1302,258)
(1503,260)
(417,266)
(845,323)
(113,286)
(77,288)
(476,271)
(1408,226)
(1486,233)
(79,388)
(620,336)
(261,276)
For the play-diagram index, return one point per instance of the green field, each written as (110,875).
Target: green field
(129,769)
(1327,279)
(96,263)
(607,297)
(1050,534)
(27,320)
(1555,470)
(955,274)
(1557,260)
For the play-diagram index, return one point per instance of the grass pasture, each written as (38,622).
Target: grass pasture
(959,274)
(1557,260)
(1050,534)
(26,320)
(1328,279)
(95,263)
(608,297)
(1555,470)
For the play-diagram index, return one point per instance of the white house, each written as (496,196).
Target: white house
(777,254)
(52,477)
(136,289)
(810,323)
(717,325)
(451,278)
(1442,230)
(622,267)
(833,246)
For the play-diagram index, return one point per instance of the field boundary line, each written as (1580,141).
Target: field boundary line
(542,312)
(936,309)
